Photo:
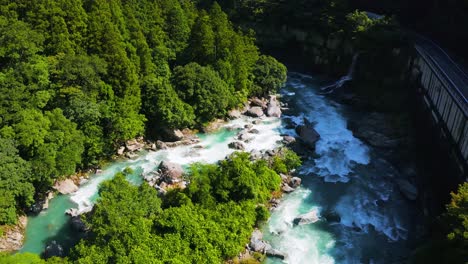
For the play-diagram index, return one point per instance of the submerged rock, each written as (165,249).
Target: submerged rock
(308,218)
(78,224)
(66,186)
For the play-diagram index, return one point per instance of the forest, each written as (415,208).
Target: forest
(78,78)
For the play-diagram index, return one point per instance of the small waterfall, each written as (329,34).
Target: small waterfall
(348,77)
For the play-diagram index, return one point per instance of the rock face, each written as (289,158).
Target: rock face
(255,111)
(407,189)
(377,130)
(274,108)
(161,145)
(12,238)
(309,218)
(171,172)
(287,189)
(66,186)
(308,134)
(53,249)
(236,145)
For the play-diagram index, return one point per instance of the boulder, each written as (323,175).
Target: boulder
(288,140)
(153,147)
(258,102)
(407,189)
(236,145)
(275,253)
(53,249)
(234,114)
(131,155)
(50,195)
(254,131)
(133,145)
(173,134)
(287,189)
(257,244)
(274,109)
(295,182)
(170,172)
(248,126)
(243,136)
(121,151)
(255,111)
(65,187)
(257,122)
(161,145)
(308,218)
(308,134)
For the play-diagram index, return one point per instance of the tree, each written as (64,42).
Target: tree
(269,74)
(16,190)
(203,89)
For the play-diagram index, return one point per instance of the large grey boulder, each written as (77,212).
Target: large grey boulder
(308,218)
(295,182)
(255,111)
(257,244)
(236,145)
(288,140)
(407,189)
(171,172)
(174,134)
(308,134)
(65,187)
(274,108)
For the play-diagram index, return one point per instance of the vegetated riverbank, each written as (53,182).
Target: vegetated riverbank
(248,133)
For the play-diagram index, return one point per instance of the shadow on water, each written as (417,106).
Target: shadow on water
(67,237)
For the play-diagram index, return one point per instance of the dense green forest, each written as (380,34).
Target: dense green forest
(207,222)
(78,78)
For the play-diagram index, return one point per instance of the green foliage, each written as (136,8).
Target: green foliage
(270,75)
(78,78)
(203,89)
(457,212)
(207,222)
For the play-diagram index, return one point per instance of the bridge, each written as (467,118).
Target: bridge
(444,87)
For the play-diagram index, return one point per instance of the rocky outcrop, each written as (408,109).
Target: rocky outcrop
(49,197)
(407,189)
(170,172)
(173,134)
(236,145)
(65,187)
(255,111)
(295,182)
(121,151)
(308,218)
(161,145)
(13,237)
(286,188)
(54,249)
(274,108)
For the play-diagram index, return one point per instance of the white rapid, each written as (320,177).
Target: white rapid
(366,213)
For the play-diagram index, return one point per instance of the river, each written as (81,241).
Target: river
(372,223)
